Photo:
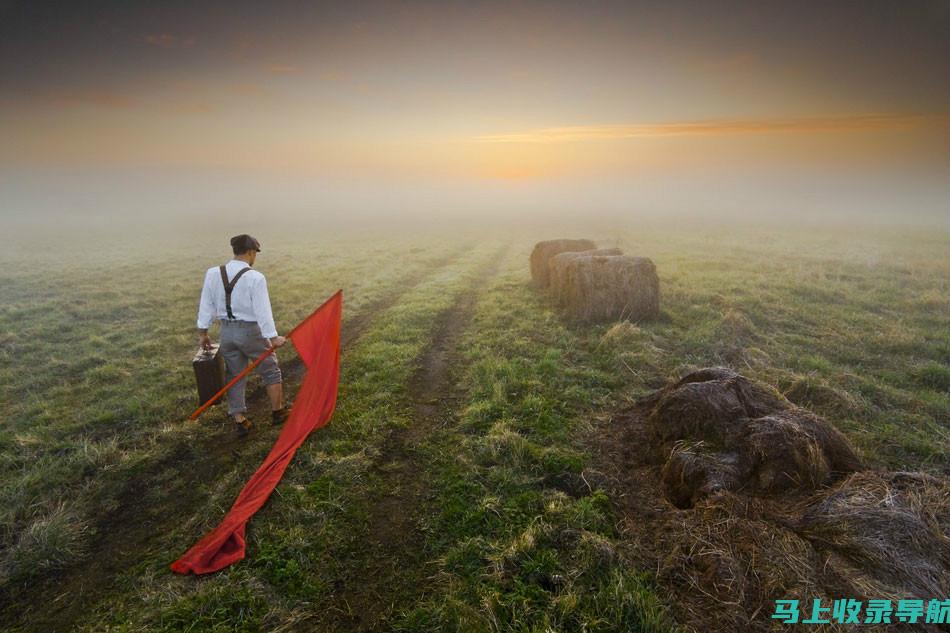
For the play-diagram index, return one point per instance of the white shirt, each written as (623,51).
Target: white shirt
(249,299)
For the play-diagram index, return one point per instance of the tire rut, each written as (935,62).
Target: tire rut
(132,530)
(395,574)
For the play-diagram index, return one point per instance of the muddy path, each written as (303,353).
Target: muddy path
(153,498)
(393,575)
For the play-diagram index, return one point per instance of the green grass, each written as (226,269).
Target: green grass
(515,533)
(515,552)
(116,340)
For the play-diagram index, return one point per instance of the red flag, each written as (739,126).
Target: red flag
(317,340)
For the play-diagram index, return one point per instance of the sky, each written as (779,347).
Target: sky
(147,109)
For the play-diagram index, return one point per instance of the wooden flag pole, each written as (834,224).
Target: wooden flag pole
(257,361)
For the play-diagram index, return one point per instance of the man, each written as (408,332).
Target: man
(236,295)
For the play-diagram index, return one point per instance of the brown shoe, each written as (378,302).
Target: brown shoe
(279,416)
(242,427)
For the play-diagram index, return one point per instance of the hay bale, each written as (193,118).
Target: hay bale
(795,449)
(711,405)
(610,288)
(893,529)
(543,251)
(557,269)
(691,473)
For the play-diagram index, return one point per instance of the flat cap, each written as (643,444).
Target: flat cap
(243,243)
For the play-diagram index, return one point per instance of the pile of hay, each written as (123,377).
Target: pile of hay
(597,288)
(710,404)
(752,438)
(889,533)
(544,251)
(557,269)
(692,473)
(755,499)
(795,449)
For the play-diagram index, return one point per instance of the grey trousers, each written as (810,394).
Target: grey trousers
(242,342)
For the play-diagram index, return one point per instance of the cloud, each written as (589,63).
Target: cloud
(580,133)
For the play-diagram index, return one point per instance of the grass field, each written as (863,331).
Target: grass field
(455,488)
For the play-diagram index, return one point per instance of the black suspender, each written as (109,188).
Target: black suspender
(229,286)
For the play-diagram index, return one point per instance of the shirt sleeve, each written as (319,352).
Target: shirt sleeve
(205,305)
(262,309)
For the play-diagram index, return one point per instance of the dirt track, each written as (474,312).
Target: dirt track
(394,567)
(135,518)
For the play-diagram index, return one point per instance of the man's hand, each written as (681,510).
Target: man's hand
(277,341)
(204,340)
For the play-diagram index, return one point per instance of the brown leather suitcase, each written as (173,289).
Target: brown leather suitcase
(209,373)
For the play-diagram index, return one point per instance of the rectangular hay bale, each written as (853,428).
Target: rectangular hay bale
(600,288)
(557,266)
(543,251)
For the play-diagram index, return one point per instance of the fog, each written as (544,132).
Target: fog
(41,202)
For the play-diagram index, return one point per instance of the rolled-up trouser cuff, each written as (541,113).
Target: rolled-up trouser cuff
(269,371)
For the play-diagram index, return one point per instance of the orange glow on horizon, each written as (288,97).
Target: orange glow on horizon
(808,125)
